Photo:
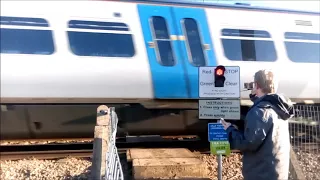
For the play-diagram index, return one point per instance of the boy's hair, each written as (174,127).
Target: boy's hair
(266,81)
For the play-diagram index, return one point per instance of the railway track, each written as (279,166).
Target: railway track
(84,149)
(45,154)
(55,148)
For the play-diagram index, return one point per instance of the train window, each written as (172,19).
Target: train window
(103,39)
(302,36)
(193,42)
(22,35)
(303,47)
(162,41)
(248,45)
(245,33)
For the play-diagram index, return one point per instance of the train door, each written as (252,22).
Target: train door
(195,40)
(177,42)
(163,52)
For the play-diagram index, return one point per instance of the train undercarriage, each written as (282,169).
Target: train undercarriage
(78,121)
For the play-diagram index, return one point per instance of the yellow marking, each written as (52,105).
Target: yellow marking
(151,44)
(182,38)
(173,37)
(308,101)
(206,46)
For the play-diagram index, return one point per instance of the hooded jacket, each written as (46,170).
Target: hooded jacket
(265,142)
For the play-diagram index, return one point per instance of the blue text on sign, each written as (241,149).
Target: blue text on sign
(216,132)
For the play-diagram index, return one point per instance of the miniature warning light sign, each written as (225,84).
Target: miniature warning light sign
(222,85)
(219,82)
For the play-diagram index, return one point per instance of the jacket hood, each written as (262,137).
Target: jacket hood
(282,105)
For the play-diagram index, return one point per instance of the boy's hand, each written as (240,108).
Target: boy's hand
(225,124)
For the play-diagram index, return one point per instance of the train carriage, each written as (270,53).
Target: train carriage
(143,57)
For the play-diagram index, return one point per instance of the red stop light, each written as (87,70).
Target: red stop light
(219,78)
(219,72)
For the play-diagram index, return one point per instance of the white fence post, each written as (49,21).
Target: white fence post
(113,164)
(106,162)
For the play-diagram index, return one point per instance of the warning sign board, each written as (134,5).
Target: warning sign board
(231,84)
(216,132)
(216,109)
(218,139)
(220,147)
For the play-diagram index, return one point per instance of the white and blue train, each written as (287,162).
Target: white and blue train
(148,52)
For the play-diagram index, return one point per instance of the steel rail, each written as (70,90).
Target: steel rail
(45,154)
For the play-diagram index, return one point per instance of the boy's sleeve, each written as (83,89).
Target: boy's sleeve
(258,123)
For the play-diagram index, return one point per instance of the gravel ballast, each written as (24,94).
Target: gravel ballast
(79,168)
(69,168)
(310,164)
(231,166)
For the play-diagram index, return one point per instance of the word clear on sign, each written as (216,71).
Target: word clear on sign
(231,88)
(216,109)
(220,147)
(218,139)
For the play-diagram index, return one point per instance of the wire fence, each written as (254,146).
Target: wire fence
(304,133)
(305,129)
(113,165)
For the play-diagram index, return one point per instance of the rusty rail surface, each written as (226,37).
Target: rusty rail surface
(45,154)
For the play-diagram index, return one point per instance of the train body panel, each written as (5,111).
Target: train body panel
(297,78)
(65,75)
(108,50)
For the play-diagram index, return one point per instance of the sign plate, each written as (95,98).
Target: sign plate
(231,87)
(218,139)
(216,132)
(220,147)
(216,109)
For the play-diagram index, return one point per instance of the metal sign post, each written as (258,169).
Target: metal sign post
(220,86)
(219,144)
(219,159)
(219,167)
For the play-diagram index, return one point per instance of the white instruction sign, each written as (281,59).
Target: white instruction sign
(231,88)
(216,109)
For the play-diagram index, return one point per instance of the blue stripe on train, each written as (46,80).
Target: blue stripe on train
(179,79)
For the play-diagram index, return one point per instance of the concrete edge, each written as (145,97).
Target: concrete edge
(295,169)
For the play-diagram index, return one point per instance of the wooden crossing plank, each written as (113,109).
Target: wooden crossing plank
(181,168)
(159,153)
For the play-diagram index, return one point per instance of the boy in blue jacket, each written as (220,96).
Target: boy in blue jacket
(265,142)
